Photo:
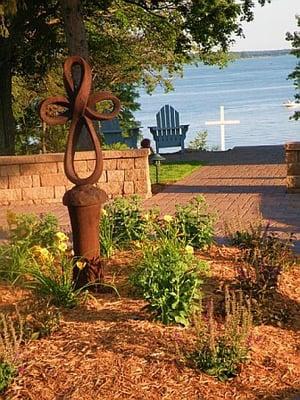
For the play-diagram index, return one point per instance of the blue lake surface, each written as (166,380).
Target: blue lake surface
(251,90)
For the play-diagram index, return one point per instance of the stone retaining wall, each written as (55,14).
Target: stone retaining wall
(292,157)
(38,179)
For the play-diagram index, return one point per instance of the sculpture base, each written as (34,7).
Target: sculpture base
(84,205)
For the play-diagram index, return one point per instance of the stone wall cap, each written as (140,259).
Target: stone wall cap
(81,155)
(292,146)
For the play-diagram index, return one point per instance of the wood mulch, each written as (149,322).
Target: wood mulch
(109,348)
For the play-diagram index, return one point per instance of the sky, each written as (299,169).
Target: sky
(271,22)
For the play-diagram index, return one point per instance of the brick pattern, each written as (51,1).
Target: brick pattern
(40,179)
(292,158)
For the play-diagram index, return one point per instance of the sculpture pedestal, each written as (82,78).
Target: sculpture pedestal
(84,204)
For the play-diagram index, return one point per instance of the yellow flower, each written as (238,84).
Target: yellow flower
(41,253)
(62,247)
(189,249)
(80,265)
(168,218)
(61,237)
(147,217)
(104,212)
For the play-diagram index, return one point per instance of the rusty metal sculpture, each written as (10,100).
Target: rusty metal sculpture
(84,200)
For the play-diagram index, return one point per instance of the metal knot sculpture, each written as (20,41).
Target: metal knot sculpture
(80,105)
(84,200)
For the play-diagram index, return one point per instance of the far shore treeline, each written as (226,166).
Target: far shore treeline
(260,53)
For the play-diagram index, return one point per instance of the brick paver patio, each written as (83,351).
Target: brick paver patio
(240,186)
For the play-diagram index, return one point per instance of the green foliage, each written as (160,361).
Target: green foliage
(221,354)
(37,256)
(32,239)
(199,143)
(122,221)
(14,260)
(169,278)
(195,224)
(118,32)
(106,235)
(115,146)
(173,171)
(7,374)
(295,75)
(55,283)
(33,229)
(247,237)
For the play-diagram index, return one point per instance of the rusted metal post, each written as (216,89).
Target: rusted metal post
(84,200)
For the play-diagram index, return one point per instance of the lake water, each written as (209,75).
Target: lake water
(251,90)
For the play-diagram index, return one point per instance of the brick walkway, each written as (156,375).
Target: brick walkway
(240,186)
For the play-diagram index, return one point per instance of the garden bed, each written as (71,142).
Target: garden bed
(109,348)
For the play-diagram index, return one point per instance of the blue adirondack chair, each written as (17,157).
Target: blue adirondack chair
(168,132)
(112,133)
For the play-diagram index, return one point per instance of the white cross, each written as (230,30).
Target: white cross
(222,124)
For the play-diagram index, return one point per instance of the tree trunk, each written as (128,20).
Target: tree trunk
(7,121)
(77,45)
(74,28)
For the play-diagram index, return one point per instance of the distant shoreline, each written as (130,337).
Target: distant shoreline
(259,53)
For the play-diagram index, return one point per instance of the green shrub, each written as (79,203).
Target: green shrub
(199,143)
(221,354)
(33,229)
(7,374)
(122,221)
(32,238)
(195,224)
(169,279)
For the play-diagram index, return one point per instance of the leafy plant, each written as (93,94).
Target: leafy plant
(107,239)
(56,283)
(221,354)
(245,237)
(199,143)
(10,340)
(122,222)
(33,240)
(14,260)
(169,278)
(32,229)
(7,373)
(194,223)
